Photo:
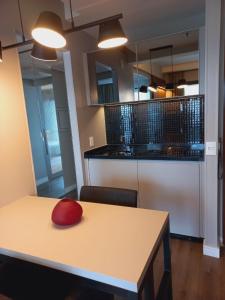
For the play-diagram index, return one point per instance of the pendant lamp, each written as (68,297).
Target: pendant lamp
(48,30)
(43,53)
(143,89)
(182,84)
(0,51)
(111,35)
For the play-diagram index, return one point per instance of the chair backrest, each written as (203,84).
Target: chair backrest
(109,195)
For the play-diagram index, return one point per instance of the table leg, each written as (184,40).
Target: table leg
(149,290)
(134,296)
(167,261)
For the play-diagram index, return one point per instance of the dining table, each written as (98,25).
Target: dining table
(112,248)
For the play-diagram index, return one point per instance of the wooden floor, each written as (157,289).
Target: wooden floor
(196,277)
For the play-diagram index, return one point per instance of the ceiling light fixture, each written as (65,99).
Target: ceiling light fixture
(43,53)
(182,84)
(48,30)
(111,35)
(0,51)
(143,89)
(153,87)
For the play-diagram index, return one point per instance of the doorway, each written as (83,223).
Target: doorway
(49,126)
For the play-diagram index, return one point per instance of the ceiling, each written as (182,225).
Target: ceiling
(142,18)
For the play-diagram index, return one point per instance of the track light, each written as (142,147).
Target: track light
(182,84)
(0,51)
(43,53)
(48,30)
(111,35)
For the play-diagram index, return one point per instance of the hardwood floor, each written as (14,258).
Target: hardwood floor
(196,277)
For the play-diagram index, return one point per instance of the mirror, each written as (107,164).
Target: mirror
(163,67)
(47,109)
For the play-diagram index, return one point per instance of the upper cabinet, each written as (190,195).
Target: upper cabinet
(151,69)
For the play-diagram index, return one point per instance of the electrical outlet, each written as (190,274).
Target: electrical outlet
(91,141)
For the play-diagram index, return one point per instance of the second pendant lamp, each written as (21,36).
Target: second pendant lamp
(111,35)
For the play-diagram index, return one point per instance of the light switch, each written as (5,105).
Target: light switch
(211,148)
(91,141)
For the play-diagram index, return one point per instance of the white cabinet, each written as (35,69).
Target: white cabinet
(174,187)
(113,172)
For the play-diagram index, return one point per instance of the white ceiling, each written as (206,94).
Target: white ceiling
(142,18)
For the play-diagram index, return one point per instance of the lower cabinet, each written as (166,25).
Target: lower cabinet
(113,172)
(173,186)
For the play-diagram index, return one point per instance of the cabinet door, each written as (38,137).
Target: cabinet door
(174,187)
(113,173)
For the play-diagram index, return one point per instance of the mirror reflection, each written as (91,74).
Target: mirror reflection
(151,69)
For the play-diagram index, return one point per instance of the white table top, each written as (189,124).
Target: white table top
(112,244)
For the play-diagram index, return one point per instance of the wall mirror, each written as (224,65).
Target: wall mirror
(46,101)
(163,67)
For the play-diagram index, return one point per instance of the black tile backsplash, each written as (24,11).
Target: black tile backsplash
(179,120)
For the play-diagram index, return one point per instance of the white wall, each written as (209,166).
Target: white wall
(212,70)
(91,120)
(16,171)
(66,147)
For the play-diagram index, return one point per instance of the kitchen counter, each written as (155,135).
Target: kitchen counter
(194,152)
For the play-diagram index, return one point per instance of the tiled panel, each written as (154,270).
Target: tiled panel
(156,122)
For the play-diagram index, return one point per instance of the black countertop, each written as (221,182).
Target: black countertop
(194,152)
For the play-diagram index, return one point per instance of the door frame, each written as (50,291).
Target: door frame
(73,120)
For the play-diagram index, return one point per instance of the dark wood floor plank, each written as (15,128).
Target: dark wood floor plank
(196,277)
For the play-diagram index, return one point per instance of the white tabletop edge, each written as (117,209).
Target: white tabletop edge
(119,283)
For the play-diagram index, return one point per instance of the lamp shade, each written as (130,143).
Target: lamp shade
(43,53)
(0,51)
(48,30)
(111,35)
(143,89)
(169,86)
(182,84)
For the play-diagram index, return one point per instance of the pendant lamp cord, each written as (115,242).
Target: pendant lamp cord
(171,49)
(71,13)
(21,21)
(150,60)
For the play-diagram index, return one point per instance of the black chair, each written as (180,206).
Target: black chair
(109,195)
(106,195)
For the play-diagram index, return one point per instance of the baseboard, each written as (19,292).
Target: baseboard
(211,251)
(41,180)
(186,238)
